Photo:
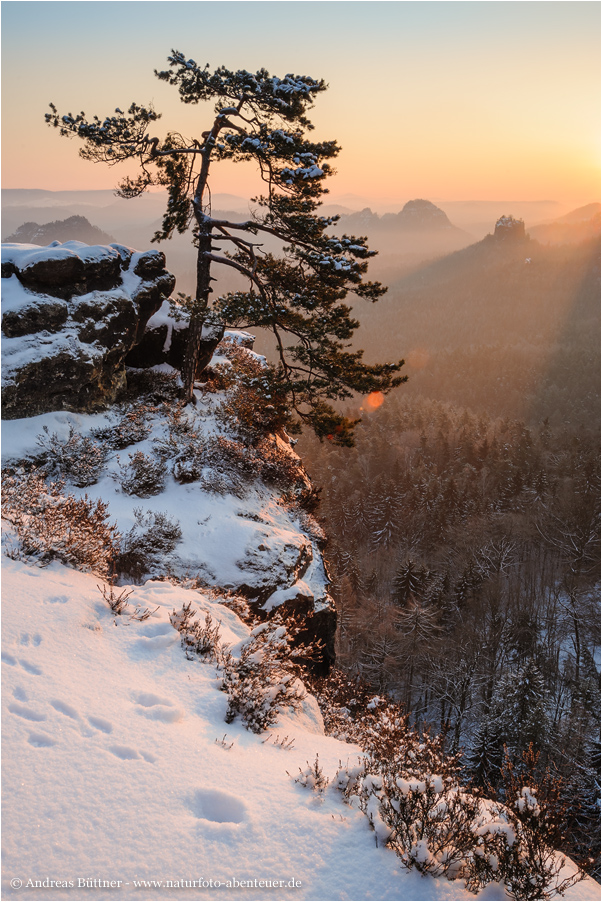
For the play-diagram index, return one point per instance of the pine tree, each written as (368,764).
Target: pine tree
(484,759)
(409,581)
(516,721)
(296,295)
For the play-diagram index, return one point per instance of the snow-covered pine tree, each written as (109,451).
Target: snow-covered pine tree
(297,294)
(517,720)
(409,581)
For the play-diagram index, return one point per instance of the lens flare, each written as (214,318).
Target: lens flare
(374,400)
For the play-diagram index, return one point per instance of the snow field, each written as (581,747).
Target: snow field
(113,766)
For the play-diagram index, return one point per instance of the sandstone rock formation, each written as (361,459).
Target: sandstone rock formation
(70,315)
(507,228)
(164,342)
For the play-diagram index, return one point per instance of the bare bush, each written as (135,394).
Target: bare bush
(313,776)
(52,525)
(265,681)
(133,427)
(201,639)
(143,476)
(154,535)
(77,459)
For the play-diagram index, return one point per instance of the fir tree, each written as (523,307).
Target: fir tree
(297,295)
(409,581)
(516,721)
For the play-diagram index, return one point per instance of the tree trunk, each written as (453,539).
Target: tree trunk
(203,289)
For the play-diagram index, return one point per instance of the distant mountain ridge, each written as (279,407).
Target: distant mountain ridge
(75,228)
(579,225)
(417,215)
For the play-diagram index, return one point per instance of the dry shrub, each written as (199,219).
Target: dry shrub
(52,525)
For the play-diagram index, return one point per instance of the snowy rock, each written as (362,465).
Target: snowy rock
(269,565)
(299,592)
(165,338)
(70,314)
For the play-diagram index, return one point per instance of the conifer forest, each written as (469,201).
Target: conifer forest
(464,542)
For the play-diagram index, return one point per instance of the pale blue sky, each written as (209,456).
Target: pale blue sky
(447,99)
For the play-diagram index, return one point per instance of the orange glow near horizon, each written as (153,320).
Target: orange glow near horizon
(451,101)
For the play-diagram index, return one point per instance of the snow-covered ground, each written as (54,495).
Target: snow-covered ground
(114,767)
(228,540)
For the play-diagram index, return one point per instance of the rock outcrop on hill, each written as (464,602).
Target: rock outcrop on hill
(70,315)
(421,215)
(507,228)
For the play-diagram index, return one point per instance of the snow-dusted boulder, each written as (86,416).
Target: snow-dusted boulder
(70,315)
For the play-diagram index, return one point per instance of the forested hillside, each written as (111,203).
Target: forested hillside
(464,525)
(509,329)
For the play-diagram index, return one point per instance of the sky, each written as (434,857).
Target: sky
(440,100)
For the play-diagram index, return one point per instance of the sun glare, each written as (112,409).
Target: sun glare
(374,400)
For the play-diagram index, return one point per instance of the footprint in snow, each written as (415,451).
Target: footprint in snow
(25,640)
(127,753)
(217,806)
(64,708)
(99,723)
(148,757)
(58,599)
(30,668)
(41,740)
(20,694)
(154,707)
(26,713)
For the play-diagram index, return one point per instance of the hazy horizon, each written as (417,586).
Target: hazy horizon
(450,102)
